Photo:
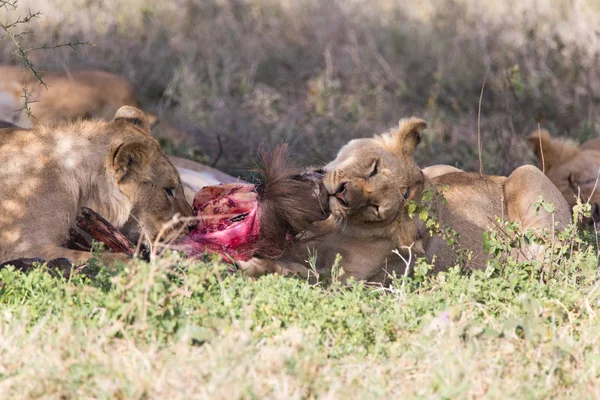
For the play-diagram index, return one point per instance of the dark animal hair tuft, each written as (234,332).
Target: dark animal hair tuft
(290,201)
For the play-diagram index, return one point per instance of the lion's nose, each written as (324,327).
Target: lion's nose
(340,193)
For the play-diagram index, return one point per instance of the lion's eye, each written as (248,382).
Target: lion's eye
(375,169)
(170,191)
(406,193)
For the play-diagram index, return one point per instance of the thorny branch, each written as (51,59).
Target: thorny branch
(10,32)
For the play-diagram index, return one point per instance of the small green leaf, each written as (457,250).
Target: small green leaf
(412,207)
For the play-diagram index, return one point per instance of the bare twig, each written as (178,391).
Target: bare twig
(595,186)
(479,148)
(220,153)
(541,149)
(72,44)
(407,262)
(8,3)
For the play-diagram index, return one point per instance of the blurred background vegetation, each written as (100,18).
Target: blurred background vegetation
(316,73)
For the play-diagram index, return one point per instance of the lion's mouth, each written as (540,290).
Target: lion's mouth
(147,237)
(338,207)
(338,204)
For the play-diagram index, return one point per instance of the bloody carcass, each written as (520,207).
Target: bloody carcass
(245,220)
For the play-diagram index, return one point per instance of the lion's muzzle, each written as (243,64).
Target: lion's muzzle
(351,194)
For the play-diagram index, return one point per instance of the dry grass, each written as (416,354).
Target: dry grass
(317,73)
(290,366)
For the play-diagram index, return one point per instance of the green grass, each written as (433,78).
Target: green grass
(175,329)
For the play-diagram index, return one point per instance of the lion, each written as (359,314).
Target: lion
(113,167)
(371,184)
(574,169)
(69,95)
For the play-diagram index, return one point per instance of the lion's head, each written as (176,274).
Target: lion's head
(371,179)
(574,170)
(147,178)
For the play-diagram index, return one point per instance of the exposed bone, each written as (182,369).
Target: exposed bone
(102,231)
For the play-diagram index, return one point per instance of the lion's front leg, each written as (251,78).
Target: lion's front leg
(66,261)
(77,257)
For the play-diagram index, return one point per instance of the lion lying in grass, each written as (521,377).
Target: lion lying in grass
(70,95)
(573,168)
(370,185)
(115,168)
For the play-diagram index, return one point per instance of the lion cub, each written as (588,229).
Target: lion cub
(113,167)
(370,184)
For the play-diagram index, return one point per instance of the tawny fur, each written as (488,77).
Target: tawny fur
(574,169)
(369,184)
(69,95)
(115,168)
(438,170)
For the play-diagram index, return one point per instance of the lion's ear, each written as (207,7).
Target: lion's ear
(555,151)
(410,132)
(130,159)
(405,138)
(133,116)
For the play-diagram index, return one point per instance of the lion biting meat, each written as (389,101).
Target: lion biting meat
(237,220)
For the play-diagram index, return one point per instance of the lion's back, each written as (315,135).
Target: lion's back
(470,206)
(472,196)
(82,94)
